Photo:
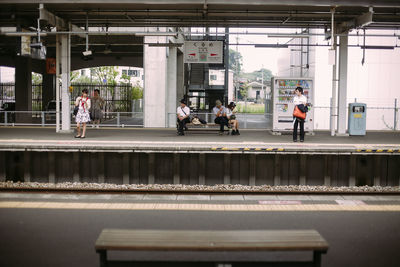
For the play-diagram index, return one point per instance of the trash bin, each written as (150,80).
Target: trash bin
(357,118)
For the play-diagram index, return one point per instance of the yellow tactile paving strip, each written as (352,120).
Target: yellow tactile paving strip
(195,207)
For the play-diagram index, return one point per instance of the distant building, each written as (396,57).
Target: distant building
(216,77)
(256,92)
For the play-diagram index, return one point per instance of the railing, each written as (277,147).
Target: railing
(48,118)
(246,120)
(378,118)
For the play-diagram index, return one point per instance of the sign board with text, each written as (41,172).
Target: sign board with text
(207,52)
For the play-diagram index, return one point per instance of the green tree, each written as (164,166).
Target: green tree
(258,74)
(137,91)
(107,75)
(83,79)
(244,90)
(73,75)
(36,78)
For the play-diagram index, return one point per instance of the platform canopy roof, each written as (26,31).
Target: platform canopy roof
(23,16)
(213,13)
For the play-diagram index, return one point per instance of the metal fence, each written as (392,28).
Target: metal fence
(48,118)
(118,98)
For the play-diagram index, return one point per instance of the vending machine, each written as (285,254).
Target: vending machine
(282,103)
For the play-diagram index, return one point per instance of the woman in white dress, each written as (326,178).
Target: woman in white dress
(83,115)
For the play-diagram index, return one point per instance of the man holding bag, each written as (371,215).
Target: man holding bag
(299,113)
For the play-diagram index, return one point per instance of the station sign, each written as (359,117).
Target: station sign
(206,52)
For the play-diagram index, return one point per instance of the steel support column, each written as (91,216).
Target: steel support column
(342,90)
(65,76)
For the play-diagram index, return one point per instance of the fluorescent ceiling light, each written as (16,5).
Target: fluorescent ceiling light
(87,53)
(377,47)
(289,35)
(271,46)
(165,44)
(155,34)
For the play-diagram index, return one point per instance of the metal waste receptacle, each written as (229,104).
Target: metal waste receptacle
(357,118)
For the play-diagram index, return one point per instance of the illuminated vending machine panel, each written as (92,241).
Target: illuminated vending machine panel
(283,93)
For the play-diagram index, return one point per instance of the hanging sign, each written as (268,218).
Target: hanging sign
(50,65)
(204,52)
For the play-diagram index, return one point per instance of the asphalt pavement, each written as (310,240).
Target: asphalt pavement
(34,236)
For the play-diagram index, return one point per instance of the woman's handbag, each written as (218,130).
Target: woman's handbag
(76,110)
(298,114)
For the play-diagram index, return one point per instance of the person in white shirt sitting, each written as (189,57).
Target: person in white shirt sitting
(182,113)
(230,114)
(299,99)
(220,116)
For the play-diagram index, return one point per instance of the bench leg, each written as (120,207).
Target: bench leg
(103,258)
(317,259)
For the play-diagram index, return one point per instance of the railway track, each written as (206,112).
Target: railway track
(192,189)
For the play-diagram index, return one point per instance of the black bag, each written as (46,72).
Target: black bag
(303,108)
(76,110)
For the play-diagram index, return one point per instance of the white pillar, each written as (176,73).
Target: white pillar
(342,89)
(65,78)
(155,82)
(171,98)
(334,92)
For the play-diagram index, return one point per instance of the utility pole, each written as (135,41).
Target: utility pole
(237,70)
(262,80)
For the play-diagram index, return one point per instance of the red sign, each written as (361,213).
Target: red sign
(50,65)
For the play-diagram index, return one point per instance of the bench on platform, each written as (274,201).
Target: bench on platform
(176,241)
(212,127)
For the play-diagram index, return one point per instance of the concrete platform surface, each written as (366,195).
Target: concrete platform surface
(124,139)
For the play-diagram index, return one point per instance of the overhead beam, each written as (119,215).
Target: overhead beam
(52,19)
(358,22)
(58,22)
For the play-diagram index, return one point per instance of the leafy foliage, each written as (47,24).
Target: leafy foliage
(235,61)
(36,78)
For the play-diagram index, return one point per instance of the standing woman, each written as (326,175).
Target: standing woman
(300,101)
(96,111)
(83,115)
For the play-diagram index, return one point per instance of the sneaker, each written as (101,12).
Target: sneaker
(233,132)
(301,140)
(294,140)
(237,132)
(220,133)
(180,134)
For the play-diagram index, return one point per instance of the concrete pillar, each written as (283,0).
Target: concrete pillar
(49,89)
(23,88)
(180,79)
(342,90)
(155,82)
(65,77)
(171,97)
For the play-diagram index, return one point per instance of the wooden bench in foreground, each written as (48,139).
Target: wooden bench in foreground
(215,241)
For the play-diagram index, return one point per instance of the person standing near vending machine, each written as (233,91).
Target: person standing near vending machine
(299,101)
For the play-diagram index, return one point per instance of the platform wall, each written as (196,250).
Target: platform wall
(200,168)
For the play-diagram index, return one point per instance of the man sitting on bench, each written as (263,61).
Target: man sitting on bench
(220,116)
(182,113)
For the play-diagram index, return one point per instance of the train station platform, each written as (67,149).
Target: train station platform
(159,156)
(125,139)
